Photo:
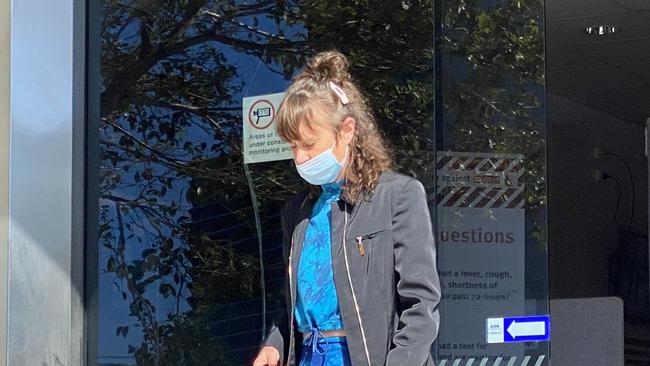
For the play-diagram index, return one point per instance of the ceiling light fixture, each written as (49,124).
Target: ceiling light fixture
(601,30)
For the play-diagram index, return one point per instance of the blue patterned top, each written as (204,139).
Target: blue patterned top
(316,302)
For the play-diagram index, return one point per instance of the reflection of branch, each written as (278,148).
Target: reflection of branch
(181,285)
(203,173)
(131,285)
(207,99)
(145,207)
(153,213)
(142,98)
(235,147)
(246,10)
(136,219)
(268,65)
(245,26)
(147,58)
(268,177)
(191,8)
(235,42)
(147,146)
(490,104)
(209,131)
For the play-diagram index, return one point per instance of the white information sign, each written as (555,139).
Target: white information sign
(480,202)
(260,139)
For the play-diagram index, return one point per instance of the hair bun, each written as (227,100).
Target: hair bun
(329,66)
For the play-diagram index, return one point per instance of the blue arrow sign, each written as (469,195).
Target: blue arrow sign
(527,329)
(518,329)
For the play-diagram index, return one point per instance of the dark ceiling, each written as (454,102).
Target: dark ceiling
(608,73)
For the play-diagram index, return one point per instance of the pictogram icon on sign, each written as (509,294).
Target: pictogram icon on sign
(261,114)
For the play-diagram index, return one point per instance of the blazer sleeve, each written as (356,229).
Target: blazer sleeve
(417,282)
(277,335)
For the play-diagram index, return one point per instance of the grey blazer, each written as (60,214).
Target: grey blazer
(384,271)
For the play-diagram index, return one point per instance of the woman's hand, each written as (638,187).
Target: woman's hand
(268,356)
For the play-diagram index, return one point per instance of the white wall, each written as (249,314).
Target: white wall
(4,168)
(582,232)
(39,285)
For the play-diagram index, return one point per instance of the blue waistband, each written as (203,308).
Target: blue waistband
(317,342)
(321,340)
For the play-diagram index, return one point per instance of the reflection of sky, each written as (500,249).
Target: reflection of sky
(257,78)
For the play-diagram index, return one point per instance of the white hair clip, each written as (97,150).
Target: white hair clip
(337,89)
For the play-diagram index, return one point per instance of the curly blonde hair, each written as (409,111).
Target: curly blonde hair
(310,93)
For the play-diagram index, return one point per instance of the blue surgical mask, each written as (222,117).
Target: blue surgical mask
(322,168)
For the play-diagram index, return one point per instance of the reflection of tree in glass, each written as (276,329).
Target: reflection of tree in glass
(494,87)
(168,120)
(170,137)
(494,94)
(391,52)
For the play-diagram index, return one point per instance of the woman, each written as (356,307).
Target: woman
(363,287)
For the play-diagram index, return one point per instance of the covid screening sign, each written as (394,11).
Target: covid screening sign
(480,203)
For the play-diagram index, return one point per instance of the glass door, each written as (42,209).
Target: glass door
(490,195)
(188,250)
(186,253)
